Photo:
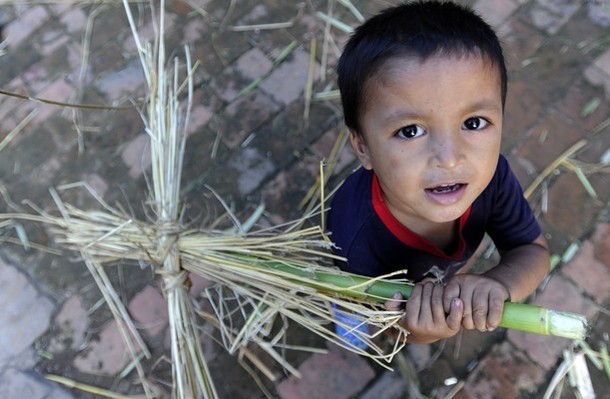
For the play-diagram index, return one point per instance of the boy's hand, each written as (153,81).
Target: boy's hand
(425,316)
(483,300)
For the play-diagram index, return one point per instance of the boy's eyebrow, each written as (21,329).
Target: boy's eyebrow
(485,104)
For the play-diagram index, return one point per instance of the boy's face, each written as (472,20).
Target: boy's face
(431,132)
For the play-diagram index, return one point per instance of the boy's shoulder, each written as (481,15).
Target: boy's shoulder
(350,209)
(353,197)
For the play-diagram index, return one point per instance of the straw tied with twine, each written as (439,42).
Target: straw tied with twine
(259,276)
(263,278)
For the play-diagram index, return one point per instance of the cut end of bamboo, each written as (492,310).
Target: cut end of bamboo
(567,325)
(540,320)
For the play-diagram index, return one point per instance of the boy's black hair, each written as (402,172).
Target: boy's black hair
(418,29)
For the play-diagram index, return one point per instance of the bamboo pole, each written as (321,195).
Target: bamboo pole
(516,316)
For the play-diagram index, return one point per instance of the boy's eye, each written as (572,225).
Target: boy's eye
(475,124)
(410,132)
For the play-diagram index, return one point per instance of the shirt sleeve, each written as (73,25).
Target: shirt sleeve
(512,222)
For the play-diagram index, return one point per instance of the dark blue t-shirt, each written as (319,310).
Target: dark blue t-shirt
(374,243)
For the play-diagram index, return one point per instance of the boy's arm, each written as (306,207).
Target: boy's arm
(522,269)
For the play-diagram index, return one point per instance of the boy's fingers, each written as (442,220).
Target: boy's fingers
(456,312)
(467,321)
(395,303)
(436,302)
(480,308)
(414,305)
(451,291)
(494,315)
(425,309)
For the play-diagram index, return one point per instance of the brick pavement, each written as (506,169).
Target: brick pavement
(255,146)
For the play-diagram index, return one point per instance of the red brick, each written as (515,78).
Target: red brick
(253,168)
(97,184)
(198,284)
(571,209)
(323,147)
(338,374)
(181,7)
(523,109)
(246,114)
(577,97)
(552,15)
(601,243)
(59,90)
(52,41)
(469,346)
(147,33)
(73,322)
(192,31)
(249,67)
(136,155)
(591,275)
(598,77)
(284,193)
(561,295)
(74,20)
(106,356)
(253,64)
(128,81)
(603,62)
(391,385)
(200,116)
(294,70)
(520,41)
(45,172)
(35,78)
(549,139)
(149,309)
(19,29)
(25,315)
(495,12)
(433,375)
(504,373)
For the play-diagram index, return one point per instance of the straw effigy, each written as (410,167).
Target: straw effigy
(254,268)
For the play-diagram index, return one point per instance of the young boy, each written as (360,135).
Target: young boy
(423,87)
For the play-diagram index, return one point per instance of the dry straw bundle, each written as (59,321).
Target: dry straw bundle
(270,276)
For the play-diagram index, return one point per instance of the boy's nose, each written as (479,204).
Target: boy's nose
(447,152)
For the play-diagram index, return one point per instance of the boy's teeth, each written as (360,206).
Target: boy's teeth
(445,188)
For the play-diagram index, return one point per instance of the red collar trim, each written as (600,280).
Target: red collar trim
(408,237)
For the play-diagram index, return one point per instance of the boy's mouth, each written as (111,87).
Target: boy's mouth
(445,188)
(446,194)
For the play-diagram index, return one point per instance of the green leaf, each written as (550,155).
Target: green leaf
(590,107)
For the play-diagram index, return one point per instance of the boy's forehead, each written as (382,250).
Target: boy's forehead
(399,67)
(404,63)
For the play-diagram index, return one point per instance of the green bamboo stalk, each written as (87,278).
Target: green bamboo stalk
(516,316)
(603,350)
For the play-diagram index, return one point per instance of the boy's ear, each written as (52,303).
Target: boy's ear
(361,149)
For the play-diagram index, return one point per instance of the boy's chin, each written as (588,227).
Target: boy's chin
(447,215)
